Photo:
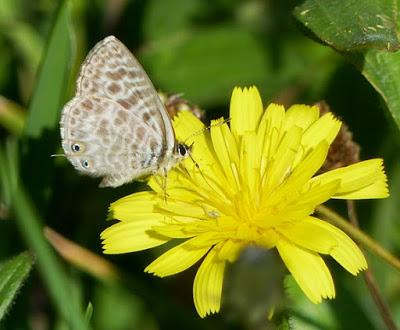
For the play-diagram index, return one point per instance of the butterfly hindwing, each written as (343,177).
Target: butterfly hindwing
(112,140)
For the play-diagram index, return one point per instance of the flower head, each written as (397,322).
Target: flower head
(253,183)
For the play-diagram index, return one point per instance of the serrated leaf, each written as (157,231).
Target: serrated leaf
(13,273)
(53,76)
(206,65)
(352,24)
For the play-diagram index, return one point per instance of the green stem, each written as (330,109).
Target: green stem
(49,266)
(12,116)
(359,236)
(30,227)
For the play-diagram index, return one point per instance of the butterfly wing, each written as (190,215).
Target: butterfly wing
(111,71)
(103,139)
(116,126)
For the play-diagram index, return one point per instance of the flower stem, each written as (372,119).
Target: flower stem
(359,236)
(369,278)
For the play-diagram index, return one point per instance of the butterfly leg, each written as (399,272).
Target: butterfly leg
(201,172)
(163,182)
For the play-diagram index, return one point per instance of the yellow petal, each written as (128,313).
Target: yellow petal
(282,161)
(250,159)
(296,181)
(362,180)
(324,129)
(245,110)
(176,259)
(226,152)
(186,125)
(301,115)
(309,271)
(182,208)
(319,236)
(132,236)
(134,206)
(172,231)
(268,239)
(191,131)
(230,250)
(207,287)
(303,204)
(270,130)
(317,193)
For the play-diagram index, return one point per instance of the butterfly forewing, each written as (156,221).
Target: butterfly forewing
(116,126)
(111,71)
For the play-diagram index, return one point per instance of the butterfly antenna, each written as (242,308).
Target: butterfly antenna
(200,171)
(227,120)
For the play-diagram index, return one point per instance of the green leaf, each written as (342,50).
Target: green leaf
(13,273)
(12,116)
(382,70)
(53,76)
(304,313)
(89,312)
(370,26)
(31,229)
(9,9)
(9,170)
(352,24)
(27,42)
(128,310)
(206,65)
(342,312)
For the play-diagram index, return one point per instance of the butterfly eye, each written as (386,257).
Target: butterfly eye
(182,149)
(85,163)
(76,147)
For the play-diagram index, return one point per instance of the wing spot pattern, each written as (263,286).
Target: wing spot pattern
(87,104)
(140,132)
(118,122)
(114,88)
(124,103)
(123,115)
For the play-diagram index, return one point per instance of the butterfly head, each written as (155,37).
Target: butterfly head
(182,150)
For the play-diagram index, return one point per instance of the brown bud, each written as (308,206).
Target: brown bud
(343,151)
(175,103)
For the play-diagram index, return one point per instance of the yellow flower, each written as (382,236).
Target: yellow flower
(254,185)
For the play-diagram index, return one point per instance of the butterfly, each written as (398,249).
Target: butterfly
(116,127)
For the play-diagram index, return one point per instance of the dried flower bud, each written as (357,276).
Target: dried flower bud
(175,103)
(343,151)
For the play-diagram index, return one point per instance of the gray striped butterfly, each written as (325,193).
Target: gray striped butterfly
(116,126)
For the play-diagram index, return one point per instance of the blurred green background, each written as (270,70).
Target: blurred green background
(343,52)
